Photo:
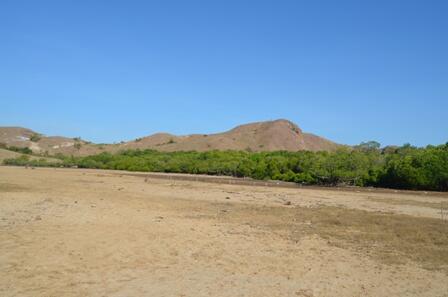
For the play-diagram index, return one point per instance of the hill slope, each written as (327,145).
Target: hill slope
(260,136)
(7,154)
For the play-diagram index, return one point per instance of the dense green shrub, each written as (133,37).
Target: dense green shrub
(26,161)
(23,150)
(403,167)
(412,168)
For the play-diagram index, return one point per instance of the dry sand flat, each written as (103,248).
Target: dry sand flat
(102,233)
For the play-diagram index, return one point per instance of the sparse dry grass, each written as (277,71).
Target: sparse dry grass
(435,205)
(389,238)
(106,234)
(7,187)
(393,239)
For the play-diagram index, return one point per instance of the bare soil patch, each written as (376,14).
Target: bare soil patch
(101,233)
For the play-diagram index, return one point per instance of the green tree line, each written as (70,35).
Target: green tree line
(404,167)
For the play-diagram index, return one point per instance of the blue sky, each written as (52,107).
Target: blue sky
(115,70)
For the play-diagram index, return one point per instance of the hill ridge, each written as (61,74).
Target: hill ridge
(273,135)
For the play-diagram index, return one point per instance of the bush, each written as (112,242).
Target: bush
(403,167)
(26,161)
(35,137)
(22,150)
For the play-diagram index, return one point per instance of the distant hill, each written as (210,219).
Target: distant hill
(261,136)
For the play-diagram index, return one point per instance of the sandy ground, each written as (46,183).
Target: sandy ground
(77,232)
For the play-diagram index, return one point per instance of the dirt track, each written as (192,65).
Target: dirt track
(101,233)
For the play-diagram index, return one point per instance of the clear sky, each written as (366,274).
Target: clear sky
(107,71)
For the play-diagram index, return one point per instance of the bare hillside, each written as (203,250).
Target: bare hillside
(260,136)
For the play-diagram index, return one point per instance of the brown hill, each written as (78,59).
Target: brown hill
(260,136)
(44,145)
